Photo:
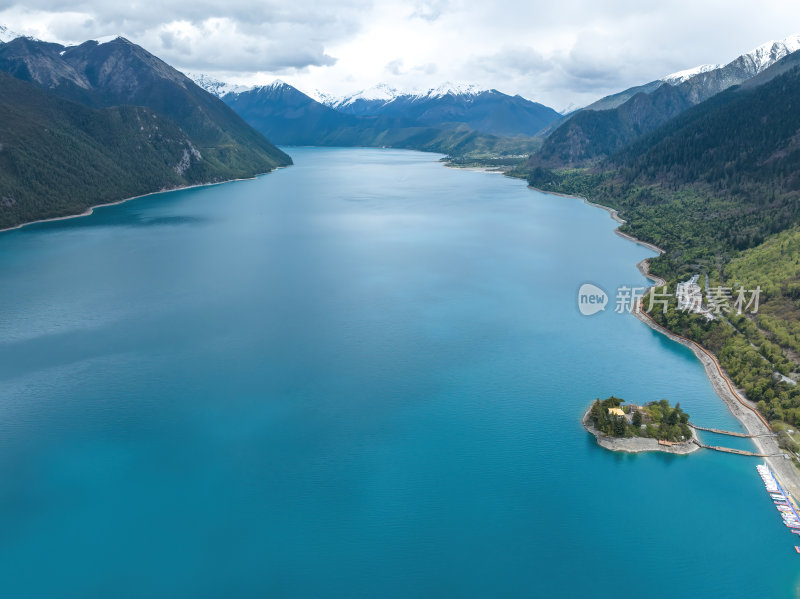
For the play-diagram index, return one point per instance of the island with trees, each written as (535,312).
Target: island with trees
(654,426)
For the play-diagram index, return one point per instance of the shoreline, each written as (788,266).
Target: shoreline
(638,444)
(742,409)
(739,406)
(90,210)
(477,169)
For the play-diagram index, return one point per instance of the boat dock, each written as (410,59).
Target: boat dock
(781,499)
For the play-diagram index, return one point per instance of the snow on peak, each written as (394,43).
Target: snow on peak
(105,39)
(277,84)
(385,93)
(755,61)
(768,54)
(6,35)
(322,97)
(461,89)
(381,92)
(687,74)
(215,86)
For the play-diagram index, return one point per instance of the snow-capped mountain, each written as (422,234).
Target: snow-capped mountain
(277,91)
(276,87)
(450,89)
(6,34)
(768,54)
(366,102)
(380,93)
(106,39)
(372,99)
(709,79)
(615,121)
(686,74)
(215,86)
(747,65)
(483,109)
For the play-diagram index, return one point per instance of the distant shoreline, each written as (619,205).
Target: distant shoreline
(90,210)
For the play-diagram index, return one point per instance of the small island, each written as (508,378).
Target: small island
(654,426)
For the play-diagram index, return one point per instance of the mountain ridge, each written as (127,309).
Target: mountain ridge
(290,117)
(118,72)
(591,134)
(106,120)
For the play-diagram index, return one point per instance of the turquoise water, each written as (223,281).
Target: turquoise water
(361,376)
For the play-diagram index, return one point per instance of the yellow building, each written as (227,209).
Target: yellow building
(616,412)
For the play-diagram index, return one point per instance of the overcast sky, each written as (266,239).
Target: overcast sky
(556,52)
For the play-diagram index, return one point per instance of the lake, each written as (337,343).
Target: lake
(360,376)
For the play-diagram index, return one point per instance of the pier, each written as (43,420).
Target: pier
(730,433)
(739,451)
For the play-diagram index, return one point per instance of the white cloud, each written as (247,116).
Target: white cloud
(430,10)
(559,53)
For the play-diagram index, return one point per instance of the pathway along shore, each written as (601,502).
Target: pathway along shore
(744,410)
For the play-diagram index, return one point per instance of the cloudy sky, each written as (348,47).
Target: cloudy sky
(563,53)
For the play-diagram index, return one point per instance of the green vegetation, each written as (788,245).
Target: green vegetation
(718,188)
(143,128)
(458,141)
(500,163)
(656,420)
(58,158)
(591,135)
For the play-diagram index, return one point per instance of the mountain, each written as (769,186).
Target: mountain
(746,140)
(6,34)
(215,86)
(106,120)
(59,158)
(615,100)
(119,73)
(290,117)
(720,177)
(748,65)
(484,110)
(368,102)
(613,122)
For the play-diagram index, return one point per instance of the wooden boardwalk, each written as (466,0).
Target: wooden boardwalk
(730,433)
(739,451)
